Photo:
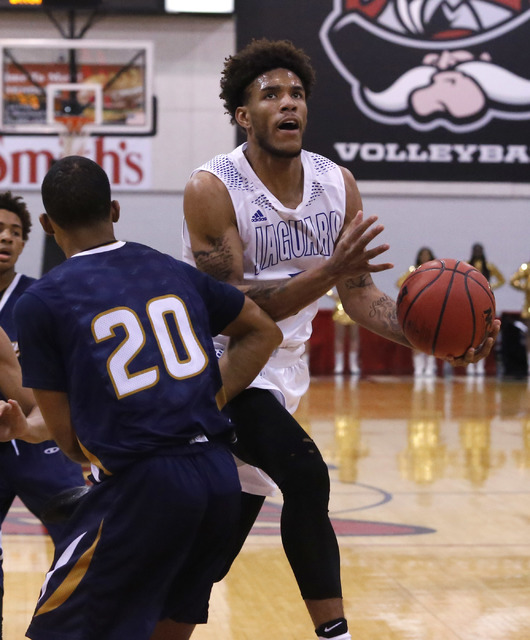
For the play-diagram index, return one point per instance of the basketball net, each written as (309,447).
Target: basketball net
(73,135)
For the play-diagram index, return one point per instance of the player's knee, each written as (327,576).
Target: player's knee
(307,474)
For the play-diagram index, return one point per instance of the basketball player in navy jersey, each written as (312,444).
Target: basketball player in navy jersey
(36,473)
(29,424)
(116,343)
(286,226)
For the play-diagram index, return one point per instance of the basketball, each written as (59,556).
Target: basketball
(445,307)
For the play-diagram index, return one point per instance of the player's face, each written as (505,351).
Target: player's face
(11,243)
(275,115)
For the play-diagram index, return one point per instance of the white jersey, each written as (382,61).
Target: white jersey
(280,242)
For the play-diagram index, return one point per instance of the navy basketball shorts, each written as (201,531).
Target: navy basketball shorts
(131,545)
(35,473)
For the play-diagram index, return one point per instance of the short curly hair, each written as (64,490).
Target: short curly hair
(16,205)
(76,193)
(256,58)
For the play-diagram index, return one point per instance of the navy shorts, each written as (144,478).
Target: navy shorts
(145,542)
(35,473)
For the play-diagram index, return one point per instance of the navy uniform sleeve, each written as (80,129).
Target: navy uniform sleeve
(40,354)
(223,301)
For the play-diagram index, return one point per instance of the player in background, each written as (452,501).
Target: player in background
(285,225)
(30,424)
(36,473)
(116,343)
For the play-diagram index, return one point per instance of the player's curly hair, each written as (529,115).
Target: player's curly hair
(256,58)
(76,192)
(16,205)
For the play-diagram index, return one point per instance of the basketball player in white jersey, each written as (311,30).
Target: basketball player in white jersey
(285,225)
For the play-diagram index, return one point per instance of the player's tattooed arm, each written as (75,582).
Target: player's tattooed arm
(364,280)
(217,260)
(384,312)
(212,228)
(371,308)
(263,291)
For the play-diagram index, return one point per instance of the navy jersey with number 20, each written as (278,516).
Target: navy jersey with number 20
(127,332)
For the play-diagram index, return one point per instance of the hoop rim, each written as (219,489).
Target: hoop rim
(73,123)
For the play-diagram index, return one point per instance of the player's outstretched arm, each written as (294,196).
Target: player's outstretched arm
(362,300)
(253,337)
(218,251)
(377,312)
(373,309)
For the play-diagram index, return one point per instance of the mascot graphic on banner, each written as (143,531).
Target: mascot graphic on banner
(456,64)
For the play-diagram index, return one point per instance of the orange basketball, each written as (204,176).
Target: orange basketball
(445,307)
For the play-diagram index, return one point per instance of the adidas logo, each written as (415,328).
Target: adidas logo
(258,217)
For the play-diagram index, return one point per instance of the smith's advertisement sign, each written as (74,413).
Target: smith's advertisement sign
(25,160)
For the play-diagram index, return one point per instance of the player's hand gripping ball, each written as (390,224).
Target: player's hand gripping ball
(445,307)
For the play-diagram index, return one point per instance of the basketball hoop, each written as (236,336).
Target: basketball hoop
(73,134)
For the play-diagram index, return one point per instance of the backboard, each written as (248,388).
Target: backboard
(105,82)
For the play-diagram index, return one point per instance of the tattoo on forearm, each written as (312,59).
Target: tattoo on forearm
(262,291)
(385,309)
(217,261)
(360,282)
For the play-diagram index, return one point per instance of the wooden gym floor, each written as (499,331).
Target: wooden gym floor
(430,501)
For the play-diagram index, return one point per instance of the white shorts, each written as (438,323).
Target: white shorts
(287,377)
